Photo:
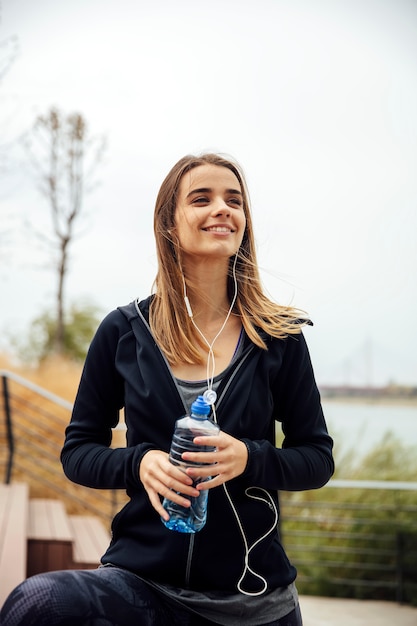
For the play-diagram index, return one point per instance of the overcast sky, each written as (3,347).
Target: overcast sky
(316,99)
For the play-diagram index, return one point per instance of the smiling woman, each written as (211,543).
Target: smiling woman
(207,330)
(204,261)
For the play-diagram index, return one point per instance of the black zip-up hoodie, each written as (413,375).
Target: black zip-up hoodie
(125,368)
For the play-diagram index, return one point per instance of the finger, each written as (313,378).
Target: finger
(210,440)
(180,481)
(155,494)
(221,471)
(212,482)
(168,475)
(196,473)
(178,487)
(203,458)
(179,498)
(179,492)
(157,505)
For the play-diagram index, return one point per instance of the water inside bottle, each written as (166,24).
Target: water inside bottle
(183,519)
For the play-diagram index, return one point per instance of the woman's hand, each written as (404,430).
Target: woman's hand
(162,478)
(230,458)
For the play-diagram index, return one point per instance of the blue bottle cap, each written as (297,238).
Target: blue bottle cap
(200,406)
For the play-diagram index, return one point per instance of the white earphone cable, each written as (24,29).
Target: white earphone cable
(268,500)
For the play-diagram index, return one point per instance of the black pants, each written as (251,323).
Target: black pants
(104,597)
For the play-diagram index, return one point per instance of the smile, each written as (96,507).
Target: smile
(218,229)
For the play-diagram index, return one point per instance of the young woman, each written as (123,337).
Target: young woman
(208,327)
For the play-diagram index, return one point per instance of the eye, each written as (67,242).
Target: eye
(235,201)
(200,200)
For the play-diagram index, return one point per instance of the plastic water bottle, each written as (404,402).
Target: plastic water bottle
(190,519)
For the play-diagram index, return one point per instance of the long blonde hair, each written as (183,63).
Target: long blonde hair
(169,320)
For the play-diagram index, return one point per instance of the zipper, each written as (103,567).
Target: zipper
(189,561)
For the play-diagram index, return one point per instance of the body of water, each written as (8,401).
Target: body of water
(361,426)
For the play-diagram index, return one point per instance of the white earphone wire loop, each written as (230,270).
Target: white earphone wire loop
(270,503)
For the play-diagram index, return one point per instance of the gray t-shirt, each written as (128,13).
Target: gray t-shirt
(235,609)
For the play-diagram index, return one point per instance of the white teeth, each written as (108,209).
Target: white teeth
(219,229)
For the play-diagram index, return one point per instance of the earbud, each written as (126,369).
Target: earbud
(210,396)
(188,306)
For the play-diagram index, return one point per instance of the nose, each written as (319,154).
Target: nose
(220,207)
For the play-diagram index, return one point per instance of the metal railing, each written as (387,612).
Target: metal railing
(32,431)
(354,539)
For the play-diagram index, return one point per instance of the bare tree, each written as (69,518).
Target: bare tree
(8,53)
(65,158)
(9,49)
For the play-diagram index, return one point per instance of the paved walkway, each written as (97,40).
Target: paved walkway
(318,611)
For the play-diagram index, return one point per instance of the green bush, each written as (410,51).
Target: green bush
(81,322)
(354,542)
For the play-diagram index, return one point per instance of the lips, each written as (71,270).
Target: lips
(218,229)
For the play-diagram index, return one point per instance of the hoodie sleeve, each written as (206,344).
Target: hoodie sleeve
(305,460)
(86,456)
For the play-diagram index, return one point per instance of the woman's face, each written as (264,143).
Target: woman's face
(209,217)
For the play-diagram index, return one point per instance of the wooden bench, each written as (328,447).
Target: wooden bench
(14,503)
(50,537)
(91,540)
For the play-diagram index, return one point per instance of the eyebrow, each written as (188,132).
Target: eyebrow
(209,190)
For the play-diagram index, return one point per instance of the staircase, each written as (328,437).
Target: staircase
(38,535)
(47,522)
